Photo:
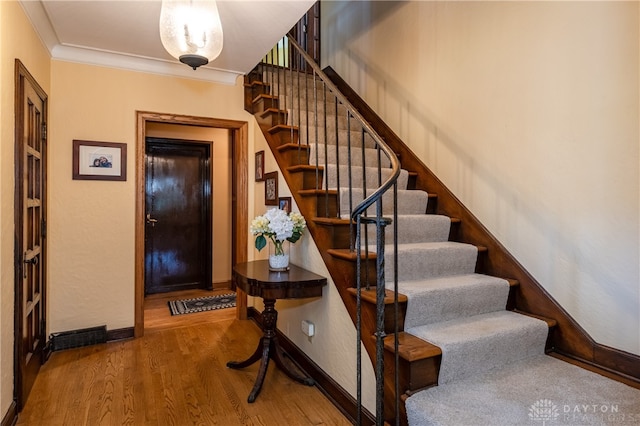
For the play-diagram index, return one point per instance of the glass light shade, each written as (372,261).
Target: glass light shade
(191,30)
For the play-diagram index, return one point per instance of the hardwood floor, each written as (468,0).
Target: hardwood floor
(174,375)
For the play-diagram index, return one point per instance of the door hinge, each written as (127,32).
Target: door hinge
(44,228)
(44,130)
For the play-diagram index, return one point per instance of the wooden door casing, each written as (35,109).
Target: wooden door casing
(239,132)
(30,231)
(178,215)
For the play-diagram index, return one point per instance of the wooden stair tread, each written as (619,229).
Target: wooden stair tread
(513,282)
(279,127)
(411,348)
(272,110)
(317,192)
(256,83)
(332,221)
(293,146)
(550,321)
(263,95)
(304,168)
(346,254)
(371,295)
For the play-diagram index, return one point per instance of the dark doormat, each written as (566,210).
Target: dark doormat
(202,304)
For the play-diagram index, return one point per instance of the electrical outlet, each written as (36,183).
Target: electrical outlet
(308,328)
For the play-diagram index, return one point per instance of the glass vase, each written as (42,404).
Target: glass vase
(279,256)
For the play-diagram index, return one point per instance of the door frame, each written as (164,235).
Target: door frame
(239,140)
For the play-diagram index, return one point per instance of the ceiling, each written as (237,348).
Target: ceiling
(124,34)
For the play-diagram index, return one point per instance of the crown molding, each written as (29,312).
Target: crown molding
(141,64)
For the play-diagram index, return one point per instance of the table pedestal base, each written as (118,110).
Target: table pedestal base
(267,349)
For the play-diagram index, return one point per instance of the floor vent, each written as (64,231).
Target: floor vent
(78,338)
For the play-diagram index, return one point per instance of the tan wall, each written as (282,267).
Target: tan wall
(91,223)
(220,188)
(529,112)
(17,40)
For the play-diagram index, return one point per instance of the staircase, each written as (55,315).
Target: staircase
(434,297)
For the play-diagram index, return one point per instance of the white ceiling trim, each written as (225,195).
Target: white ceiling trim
(141,64)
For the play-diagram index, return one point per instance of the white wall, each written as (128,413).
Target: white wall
(528,111)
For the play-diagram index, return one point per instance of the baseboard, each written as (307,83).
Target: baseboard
(329,387)
(11,417)
(222,285)
(612,363)
(120,334)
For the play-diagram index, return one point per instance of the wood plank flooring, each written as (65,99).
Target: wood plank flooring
(174,375)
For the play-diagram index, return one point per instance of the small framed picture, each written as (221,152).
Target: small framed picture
(99,160)
(271,189)
(259,166)
(284,203)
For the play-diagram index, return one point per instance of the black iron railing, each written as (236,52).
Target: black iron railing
(353,163)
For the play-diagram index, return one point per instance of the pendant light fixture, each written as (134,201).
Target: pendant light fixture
(191,30)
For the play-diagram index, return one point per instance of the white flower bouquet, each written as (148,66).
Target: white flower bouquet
(279,227)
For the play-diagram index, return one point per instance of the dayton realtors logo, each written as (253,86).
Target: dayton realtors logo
(543,411)
(546,411)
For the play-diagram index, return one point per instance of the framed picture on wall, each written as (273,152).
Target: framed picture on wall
(99,160)
(271,189)
(284,203)
(259,166)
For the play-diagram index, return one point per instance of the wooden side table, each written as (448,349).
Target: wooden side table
(257,280)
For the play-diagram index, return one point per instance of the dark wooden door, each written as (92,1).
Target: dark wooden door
(178,216)
(30,225)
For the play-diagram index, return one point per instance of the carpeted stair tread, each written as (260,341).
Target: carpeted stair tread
(419,261)
(483,342)
(539,390)
(410,202)
(321,153)
(447,298)
(354,138)
(357,179)
(334,121)
(419,228)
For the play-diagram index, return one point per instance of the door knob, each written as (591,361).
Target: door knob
(150,220)
(32,261)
